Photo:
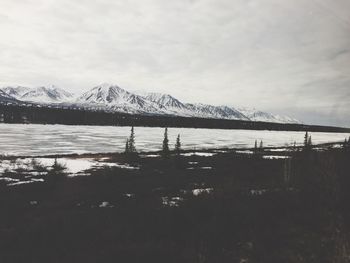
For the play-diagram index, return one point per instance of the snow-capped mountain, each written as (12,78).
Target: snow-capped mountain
(4,97)
(51,94)
(16,92)
(217,112)
(165,100)
(118,99)
(114,98)
(257,115)
(173,106)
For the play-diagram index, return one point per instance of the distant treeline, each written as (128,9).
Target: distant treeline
(78,116)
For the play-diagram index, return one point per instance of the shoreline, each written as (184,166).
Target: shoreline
(145,153)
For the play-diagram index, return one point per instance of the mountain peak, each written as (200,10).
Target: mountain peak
(165,100)
(105,93)
(118,99)
(107,86)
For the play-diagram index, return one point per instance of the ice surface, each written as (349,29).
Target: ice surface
(21,139)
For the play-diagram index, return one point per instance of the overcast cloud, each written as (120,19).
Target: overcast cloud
(290,57)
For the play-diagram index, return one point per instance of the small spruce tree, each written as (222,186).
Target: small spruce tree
(178,145)
(132,148)
(55,164)
(294,147)
(346,144)
(165,143)
(306,138)
(309,142)
(261,146)
(127,149)
(57,167)
(256,146)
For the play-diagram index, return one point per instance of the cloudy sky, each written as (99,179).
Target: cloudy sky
(288,57)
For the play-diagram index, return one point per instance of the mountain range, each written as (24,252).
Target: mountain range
(114,98)
(50,94)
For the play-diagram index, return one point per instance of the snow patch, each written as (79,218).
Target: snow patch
(275,157)
(203,154)
(105,204)
(171,201)
(200,191)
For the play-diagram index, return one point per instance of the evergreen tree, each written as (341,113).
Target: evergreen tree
(306,138)
(261,145)
(55,164)
(346,144)
(294,147)
(256,146)
(127,149)
(57,167)
(132,148)
(309,142)
(178,145)
(166,143)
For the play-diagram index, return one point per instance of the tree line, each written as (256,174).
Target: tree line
(307,144)
(41,114)
(130,148)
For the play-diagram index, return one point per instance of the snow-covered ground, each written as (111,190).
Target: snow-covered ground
(22,139)
(33,170)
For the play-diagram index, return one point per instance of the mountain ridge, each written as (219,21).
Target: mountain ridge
(40,94)
(115,98)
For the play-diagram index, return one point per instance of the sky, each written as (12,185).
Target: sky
(286,57)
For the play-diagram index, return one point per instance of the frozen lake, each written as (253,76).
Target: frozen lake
(32,139)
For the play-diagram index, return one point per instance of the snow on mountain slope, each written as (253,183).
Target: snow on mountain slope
(174,106)
(16,92)
(218,112)
(116,98)
(165,100)
(51,94)
(257,115)
(4,97)
(232,113)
